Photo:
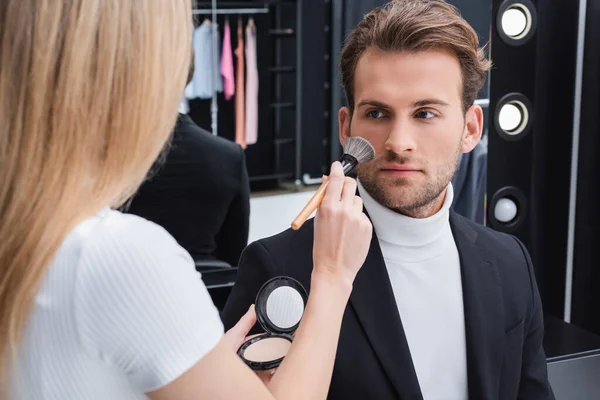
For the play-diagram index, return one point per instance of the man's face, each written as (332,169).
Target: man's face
(409,107)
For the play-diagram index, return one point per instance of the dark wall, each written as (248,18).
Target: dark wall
(315,80)
(540,166)
(586,283)
(555,87)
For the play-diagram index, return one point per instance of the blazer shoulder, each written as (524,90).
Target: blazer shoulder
(512,260)
(197,140)
(290,250)
(290,239)
(217,146)
(499,244)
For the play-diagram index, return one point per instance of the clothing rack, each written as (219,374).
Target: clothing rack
(282,33)
(214,11)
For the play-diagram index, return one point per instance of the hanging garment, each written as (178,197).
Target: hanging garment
(204,75)
(240,120)
(184,106)
(189,91)
(227,64)
(251,84)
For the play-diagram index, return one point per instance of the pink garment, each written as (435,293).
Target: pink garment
(251,84)
(227,64)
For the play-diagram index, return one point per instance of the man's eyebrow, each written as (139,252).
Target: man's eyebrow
(429,102)
(416,104)
(374,103)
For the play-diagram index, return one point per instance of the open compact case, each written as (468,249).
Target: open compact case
(279,308)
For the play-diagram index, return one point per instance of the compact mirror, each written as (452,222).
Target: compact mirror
(279,308)
(285,307)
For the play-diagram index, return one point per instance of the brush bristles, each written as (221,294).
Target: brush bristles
(360,149)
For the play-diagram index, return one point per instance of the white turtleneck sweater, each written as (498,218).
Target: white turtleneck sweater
(424,269)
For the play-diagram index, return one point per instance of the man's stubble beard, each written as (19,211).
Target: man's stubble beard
(424,199)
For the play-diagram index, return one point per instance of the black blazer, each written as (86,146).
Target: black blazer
(503,316)
(200,194)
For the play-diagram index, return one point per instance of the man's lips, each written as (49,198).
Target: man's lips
(399,168)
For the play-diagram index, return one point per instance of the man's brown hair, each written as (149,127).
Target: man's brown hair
(414,26)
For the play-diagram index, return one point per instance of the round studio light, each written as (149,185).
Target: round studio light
(513,116)
(505,210)
(516,21)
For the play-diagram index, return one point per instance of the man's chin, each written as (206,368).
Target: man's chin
(390,194)
(390,182)
(380,183)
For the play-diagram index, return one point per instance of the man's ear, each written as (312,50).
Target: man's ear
(344,119)
(473,128)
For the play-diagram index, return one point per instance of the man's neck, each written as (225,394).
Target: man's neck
(403,229)
(426,210)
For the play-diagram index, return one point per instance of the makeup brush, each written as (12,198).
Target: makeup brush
(356,150)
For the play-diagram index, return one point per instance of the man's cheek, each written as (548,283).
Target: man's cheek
(361,171)
(365,172)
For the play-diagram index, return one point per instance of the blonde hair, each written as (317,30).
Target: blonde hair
(412,26)
(89,91)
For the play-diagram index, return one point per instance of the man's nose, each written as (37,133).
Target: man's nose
(400,139)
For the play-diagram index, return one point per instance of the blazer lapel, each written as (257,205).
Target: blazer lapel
(373,301)
(484,312)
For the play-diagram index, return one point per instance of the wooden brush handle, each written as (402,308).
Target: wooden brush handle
(311,206)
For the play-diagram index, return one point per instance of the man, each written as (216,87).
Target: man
(443,308)
(200,194)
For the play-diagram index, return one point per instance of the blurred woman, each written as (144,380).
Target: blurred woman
(95,304)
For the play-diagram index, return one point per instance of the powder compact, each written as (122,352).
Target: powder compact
(279,308)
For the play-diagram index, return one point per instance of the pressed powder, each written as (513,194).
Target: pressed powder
(267,350)
(279,307)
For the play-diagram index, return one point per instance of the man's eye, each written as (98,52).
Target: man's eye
(375,114)
(425,114)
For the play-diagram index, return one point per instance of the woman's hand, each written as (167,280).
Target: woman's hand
(237,335)
(342,231)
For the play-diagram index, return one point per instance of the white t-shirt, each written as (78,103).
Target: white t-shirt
(121,311)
